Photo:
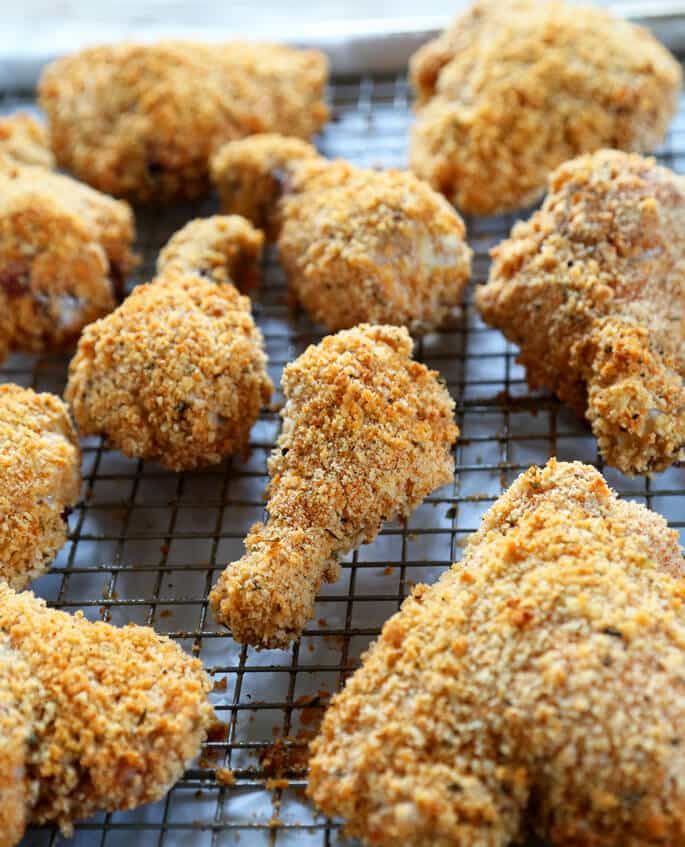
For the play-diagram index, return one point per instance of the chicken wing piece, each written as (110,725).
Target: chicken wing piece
(357,245)
(25,140)
(41,480)
(512,90)
(367,434)
(113,715)
(141,121)
(64,252)
(539,682)
(178,372)
(592,290)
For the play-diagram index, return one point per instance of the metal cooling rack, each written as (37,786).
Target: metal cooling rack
(146,544)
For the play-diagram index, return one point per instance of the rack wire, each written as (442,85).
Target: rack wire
(145,544)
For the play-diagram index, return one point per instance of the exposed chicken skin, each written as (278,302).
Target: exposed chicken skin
(177,373)
(367,434)
(592,289)
(539,682)
(512,90)
(64,251)
(24,140)
(112,715)
(357,245)
(141,121)
(41,479)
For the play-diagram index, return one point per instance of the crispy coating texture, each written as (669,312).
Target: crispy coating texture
(118,712)
(177,373)
(41,480)
(64,250)
(512,90)
(222,248)
(249,175)
(141,121)
(367,434)
(25,140)
(539,682)
(358,246)
(592,289)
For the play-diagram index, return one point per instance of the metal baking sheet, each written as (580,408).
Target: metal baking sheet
(146,544)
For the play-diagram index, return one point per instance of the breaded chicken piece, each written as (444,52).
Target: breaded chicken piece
(357,245)
(118,714)
(64,251)
(592,290)
(367,434)
(177,373)
(221,249)
(25,140)
(41,480)
(141,121)
(512,90)
(538,682)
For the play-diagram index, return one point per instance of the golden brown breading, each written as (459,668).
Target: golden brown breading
(358,246)
(178,372)
(119,712)
(512,90)
(367,434)
(223,248)
(592,290)
(25,140)
(539,681)
(249,175)
(141,121)
(41,479)
(64,250)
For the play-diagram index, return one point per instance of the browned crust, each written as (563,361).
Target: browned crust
(25,140)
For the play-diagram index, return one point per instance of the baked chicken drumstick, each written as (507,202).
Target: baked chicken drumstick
(539,682)
(367,434)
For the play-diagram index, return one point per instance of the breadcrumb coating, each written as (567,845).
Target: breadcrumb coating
(118,714)
(367,434)
(512,90)
(141,121)
(591,289)
(25,140)
(177,373)
(222,248)
(64,251)
(358,246)
(249,175)
(538,682)
(40,464)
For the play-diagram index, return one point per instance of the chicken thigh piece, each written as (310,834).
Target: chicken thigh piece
(40,469)
(101,718)
(177,373)
(357,245)
(511,90)
(367,434)
(592,290)
(538,683)
(64,253)
(141,120)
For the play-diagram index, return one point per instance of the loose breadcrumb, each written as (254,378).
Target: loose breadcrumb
(539,682)
(41,480)
(177,373)
(367,434)
(25,140)
(591,289)
(117,716)
(64,251)
(141,121)
(512,90)
(357,245)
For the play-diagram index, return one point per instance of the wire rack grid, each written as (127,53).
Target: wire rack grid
(145,545)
